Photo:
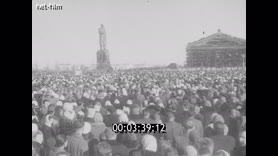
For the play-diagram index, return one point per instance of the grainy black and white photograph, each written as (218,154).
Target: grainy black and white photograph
(138,77)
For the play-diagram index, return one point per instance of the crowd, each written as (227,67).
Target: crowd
(204,113)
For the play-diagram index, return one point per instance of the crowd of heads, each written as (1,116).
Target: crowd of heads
(204,113)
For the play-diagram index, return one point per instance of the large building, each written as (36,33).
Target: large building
(217,50)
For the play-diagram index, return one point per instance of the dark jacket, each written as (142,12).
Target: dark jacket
(93,147)
(194,138)
(144,153)
(206,112)
(199,126)
(48,132)
(38,149)
(150,153)
(55,151)
(66,126)
(118,148)
(222,142)
(110,119)
(77,146)
(239,151)
(128,140)
(234,127)
(173,129)
(180,142)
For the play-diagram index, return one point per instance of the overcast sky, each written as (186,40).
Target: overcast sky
(138,31)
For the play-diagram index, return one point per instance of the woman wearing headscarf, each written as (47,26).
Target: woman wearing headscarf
(149,146)
(97,126)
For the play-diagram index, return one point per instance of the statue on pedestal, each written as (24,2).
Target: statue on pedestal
(102,37)
(103,59)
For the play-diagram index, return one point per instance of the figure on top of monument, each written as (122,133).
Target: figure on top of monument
(102,37)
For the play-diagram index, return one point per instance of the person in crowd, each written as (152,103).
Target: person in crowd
(198,115)
(234,123)
(205,151)
(37,143)
(166,148)
(97,126)
(197,123)
(77,145)
(240,150)
(207,112)
(111,117)
(61,144)
(209,130)
(87,135)
(135,113)
(146,118)
(206,147)
(68,119)
(104,149)
(149,145)
(47,128)
(221,141)
(193,134)
(172,128)
(90,115)
(117,148)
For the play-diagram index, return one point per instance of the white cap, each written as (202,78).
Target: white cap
(97,108)
(62,97)
(87,128)
(116,101)
(129,102)
(119,112)
(123,118)
(70,114)
(67,106)
(126,110)
(35,103)
(91,113)
(108,103)
(34,127)
(56,96)
(81,113)
(59,103)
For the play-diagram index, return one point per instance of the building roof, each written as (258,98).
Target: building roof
(218,40)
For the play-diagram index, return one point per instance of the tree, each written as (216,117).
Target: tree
(172,66)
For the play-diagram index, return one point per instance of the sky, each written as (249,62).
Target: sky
(138,31)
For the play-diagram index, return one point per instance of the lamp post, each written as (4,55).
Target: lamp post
(243,60)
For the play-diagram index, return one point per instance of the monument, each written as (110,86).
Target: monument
(103,59)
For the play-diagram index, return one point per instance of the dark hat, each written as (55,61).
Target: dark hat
(219,127)
(188,124)
(104,148)
(78,124)
(51,108)
(108,133)
(51,142)
(111,109)
(44,110)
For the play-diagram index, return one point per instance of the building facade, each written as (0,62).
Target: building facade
(217,50)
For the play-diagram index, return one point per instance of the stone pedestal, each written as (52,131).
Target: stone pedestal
(103,60)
